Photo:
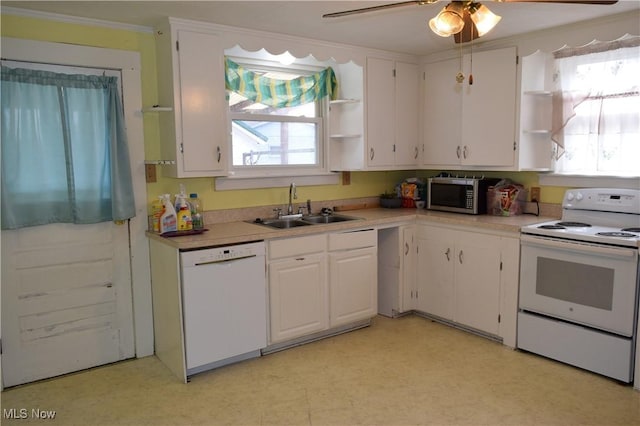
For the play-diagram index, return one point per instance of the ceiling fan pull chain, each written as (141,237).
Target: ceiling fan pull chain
(471,64)
(460,75)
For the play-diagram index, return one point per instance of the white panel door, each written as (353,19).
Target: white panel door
(435,271)
(298,297)
(488,109)
(66,299)
(380,112)
(353,278)
(407,99)
(477,280)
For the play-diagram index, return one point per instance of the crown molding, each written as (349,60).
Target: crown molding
(73,19)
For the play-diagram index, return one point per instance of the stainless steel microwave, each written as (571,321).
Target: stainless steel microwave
(458,194)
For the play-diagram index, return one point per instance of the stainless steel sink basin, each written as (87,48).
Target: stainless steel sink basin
(327,218)
(286,223)
(282,223)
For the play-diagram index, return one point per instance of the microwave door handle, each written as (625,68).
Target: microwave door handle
(580,246)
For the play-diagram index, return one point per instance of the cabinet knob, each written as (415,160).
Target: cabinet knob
(447,253)
(465,151)
(415,153)
(371,154)
(406,249)
(460,257)
(458,151)
(219,152)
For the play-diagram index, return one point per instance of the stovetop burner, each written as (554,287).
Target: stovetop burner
(617,234)
(630,230)
(553,226)
(564,225)
(573,224)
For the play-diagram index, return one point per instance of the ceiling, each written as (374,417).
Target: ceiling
(401,29)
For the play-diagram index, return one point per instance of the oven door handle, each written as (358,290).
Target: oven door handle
(578,246)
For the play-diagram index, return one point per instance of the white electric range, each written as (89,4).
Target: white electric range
(579,282)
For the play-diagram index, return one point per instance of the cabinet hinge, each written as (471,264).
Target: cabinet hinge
(514,145)
(177,45)
(181,149)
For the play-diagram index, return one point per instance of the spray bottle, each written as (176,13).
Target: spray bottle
(168,219)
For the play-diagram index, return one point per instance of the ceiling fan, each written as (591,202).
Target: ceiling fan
(458,15)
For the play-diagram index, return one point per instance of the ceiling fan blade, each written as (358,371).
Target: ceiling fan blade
(603,2)
(375,8)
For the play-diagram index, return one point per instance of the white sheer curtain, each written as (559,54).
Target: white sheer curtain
(596,109)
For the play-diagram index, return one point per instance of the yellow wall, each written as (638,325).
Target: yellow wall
(363,184)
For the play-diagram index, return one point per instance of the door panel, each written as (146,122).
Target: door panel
(66,299)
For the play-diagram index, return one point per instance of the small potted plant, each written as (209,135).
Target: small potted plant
(390,200)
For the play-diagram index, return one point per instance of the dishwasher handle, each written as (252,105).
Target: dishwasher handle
(218,261)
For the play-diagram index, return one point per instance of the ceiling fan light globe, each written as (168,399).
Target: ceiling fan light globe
(448,22)
(484,19)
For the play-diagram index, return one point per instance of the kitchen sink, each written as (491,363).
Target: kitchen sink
(286,223)
(282,223)
(327,218)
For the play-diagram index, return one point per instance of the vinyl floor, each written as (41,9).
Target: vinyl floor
(405,371)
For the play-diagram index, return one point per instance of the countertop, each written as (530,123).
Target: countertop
(241,232)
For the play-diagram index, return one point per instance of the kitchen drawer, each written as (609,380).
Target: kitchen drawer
(353,240)
(291,247)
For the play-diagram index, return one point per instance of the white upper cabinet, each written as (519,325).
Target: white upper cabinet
(471,124)
(392,114)
(442,116)
(191,80)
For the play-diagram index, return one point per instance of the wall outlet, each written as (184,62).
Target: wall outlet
(535,193)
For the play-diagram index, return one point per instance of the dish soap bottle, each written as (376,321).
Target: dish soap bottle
(196,212)
(184,214)
(168,219)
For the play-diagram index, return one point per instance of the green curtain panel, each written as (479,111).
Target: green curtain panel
(65,156)
(280,93)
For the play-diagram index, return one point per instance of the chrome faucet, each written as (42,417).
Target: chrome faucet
(293,195)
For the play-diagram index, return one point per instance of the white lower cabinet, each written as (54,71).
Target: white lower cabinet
(298,287)
(353,273)
(461,278)
(319,282)
(298,297)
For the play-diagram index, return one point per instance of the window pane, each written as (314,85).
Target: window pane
(274,143)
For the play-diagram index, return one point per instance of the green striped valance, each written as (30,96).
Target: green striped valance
(280,93)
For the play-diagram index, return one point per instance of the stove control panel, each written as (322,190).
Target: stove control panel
(612,200)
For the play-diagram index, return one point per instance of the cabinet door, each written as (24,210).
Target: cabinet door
(354,285)
(406,104)
(442,119)
(380,112)
(477,281)
(298,297)
(488,109)
(408,267)
(435,272)
(201,111)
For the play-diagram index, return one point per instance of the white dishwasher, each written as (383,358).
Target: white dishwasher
(223,305)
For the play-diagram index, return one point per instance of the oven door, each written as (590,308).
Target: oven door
(585,283)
